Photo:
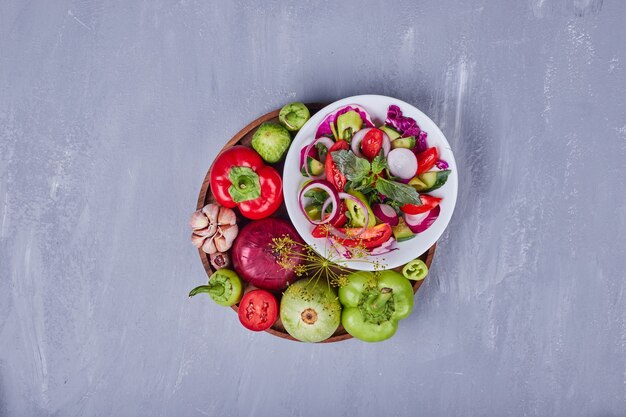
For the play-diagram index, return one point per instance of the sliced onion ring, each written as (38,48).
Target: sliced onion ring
(332,195)
(419,225)
(338,233)
(328,142)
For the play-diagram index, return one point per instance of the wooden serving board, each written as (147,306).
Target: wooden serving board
(244,137)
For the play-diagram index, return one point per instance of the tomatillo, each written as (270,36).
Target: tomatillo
(224,287)
(374,303)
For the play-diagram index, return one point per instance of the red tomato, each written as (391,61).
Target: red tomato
(426,160)
(372,143)
(258,310)
(341,218)
(428,203)
(333,174)
(371,238)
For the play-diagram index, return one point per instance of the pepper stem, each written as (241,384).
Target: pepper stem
(379,301)
(213,289)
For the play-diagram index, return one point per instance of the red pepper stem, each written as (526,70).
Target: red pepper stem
(380,300)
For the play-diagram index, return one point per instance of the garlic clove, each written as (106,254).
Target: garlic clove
(197,240)
(226,216)
(211,211)
(225,237)
(198,220)
(209,245)
(206,232)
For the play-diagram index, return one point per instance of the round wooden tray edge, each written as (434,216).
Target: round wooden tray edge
(427,257)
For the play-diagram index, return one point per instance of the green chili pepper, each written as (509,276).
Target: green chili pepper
(374,303)
(224,287)
(415,270)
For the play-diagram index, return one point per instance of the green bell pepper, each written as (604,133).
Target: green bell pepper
(374,303)
(224,287)
(415,270)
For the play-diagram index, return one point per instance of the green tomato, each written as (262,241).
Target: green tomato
(310,311)
(293,116)
(224,287)
(271,141)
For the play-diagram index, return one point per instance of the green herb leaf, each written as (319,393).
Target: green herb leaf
(354,168)
(317,196)
(378,164)
(321,151)
(401,193)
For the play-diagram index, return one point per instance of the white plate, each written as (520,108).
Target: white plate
(377,107)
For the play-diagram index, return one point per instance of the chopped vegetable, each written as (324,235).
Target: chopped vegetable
(402,232)
(426,160)
(402,163)
(360,214)
(427,203)
(271,141)
(385,213)
(415,270)
(333,173)
(420,222)
(430,181)
(293,116)
(328,126)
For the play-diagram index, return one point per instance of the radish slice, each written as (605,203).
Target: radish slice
(355,143)
(402,163)
(420,222)
(388,246)
(385,213)
(332,195)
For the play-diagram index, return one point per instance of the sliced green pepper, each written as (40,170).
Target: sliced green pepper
(415,270)
(357,217)
(374,303)
(224,287)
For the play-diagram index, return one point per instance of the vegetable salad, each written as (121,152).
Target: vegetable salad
(367,187)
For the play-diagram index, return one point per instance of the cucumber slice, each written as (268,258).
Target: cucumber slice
(430,180)
(315,167)
(390,131)
(417,184)
(401,231)
(408,143)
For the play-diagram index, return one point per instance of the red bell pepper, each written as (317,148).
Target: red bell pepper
(239,178)
(428,203)
(426,160)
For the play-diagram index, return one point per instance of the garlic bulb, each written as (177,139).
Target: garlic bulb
(214,228)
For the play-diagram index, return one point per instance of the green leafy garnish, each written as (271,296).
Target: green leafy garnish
(402,193)
(354,168)
(317,196)
(321,151)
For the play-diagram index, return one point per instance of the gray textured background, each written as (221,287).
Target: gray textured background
(111,112)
